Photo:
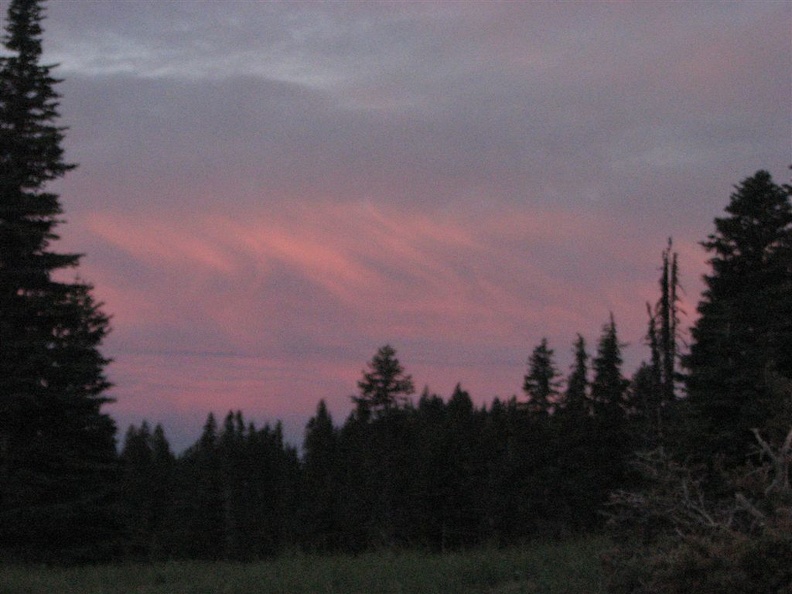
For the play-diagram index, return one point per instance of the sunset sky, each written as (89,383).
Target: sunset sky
(270,191)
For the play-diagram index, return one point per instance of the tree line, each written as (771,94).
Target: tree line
(432,472)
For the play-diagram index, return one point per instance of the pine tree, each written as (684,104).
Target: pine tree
(320,472)
(146,485)
(376,435)
(202,511)
(745,325)
(576,455)
(57,449)
(608,390)
(611,444)
(576,401)
(384,386)
(541,384)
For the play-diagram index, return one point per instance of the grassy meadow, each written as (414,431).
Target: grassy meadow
(571,566)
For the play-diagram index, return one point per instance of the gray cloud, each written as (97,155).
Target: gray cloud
(563,142)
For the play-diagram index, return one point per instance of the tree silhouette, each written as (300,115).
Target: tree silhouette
(384,386)
(745,325)
(57,449)
(541,384)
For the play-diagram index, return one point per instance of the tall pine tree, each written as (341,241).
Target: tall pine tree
(320,473)
(608,390)
(610,440)
(576,401)
(384,386)
(541,384)
(744,331)
(57,449)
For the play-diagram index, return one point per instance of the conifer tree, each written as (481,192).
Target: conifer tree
(146,485)
(608,389)
(320,509)
(541,382)
(576,400)
(744,329)
(576,455)
(380,426)
(57,449)
(384,386)
(610,438)
(202,509)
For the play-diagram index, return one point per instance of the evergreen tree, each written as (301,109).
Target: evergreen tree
(200,509)
(57,449)
(576,455)
(608,389)
(744,328)
(451,454)
(375,436)
(610,435)
(384,386)
(146,487)
(541,383)
(576,401)
(320,507)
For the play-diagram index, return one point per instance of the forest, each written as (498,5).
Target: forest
(685,462)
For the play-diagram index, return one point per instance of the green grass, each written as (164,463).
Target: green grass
(571,566)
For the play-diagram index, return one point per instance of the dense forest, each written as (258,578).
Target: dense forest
(434,473)
(579,450)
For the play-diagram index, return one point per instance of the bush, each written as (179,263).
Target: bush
(678,535)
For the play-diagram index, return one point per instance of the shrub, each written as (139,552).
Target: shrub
(733,534)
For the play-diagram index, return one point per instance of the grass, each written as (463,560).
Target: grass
(546,568)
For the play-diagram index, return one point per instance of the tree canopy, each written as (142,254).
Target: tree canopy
(384,385)
(57,449)
(744,329)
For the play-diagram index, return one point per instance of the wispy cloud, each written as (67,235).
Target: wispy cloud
(294,184)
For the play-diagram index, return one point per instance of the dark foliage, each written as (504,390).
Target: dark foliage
(233,495)
(745,323)
(58,464)
(541,385)
(434,474)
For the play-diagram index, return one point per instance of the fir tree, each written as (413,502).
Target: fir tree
(384,386)
(541,383)
(320,509)
(576,401)
(610,445)
(668,318)
(745,325)
(608,390)
(57,449)
(146,486)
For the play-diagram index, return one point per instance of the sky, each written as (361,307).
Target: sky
(268,192)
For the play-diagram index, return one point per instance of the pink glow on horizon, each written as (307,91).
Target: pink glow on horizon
(266,200)
(388,276)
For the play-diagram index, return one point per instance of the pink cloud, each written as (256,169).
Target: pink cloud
(271,311)
(386,271)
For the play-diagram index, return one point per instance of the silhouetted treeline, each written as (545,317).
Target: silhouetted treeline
(434,473)
(441,473)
